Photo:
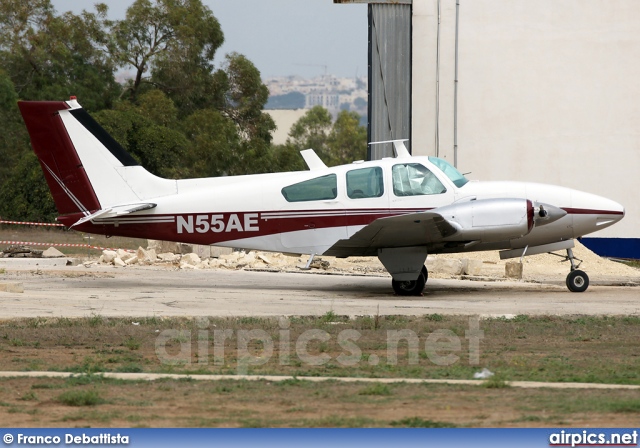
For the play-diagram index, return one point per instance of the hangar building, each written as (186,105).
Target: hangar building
(541,91)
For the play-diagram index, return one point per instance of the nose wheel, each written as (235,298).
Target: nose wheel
(577,280)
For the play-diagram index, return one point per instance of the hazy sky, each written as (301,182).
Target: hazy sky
(281,37)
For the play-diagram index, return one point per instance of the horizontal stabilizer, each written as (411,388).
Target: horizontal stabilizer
(118,210)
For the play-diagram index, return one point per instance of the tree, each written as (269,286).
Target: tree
(347,140)
(173,44)
(13,136)
(51,57)
(214,143)
(311,132)
(339,143)
(25,195)
(287,158)
(245,97)
(150,132)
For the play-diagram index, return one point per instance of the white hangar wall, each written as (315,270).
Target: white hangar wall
(548,91)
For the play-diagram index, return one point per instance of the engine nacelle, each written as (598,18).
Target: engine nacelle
(489,220)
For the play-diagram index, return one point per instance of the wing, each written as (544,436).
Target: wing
(414,229)
(486,220)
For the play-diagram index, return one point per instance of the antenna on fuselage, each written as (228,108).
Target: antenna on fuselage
(312,160)
(399,147)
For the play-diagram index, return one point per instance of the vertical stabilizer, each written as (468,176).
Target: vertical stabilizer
(67,179)
(86,169)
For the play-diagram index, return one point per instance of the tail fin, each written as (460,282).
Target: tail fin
(85,168)
(63,170)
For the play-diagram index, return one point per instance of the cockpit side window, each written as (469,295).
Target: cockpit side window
(365,183)
(318,189)
(456,176)
(414,179)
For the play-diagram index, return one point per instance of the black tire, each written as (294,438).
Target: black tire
(409,288)
(425,274)
(577,281)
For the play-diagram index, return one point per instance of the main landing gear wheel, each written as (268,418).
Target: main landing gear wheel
(411,287)
(577,281)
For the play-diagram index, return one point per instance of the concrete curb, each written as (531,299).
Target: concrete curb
(316,379)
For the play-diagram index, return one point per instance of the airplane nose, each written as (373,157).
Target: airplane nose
(592,213)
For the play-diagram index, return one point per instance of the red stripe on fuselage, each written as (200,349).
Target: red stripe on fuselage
(212,228)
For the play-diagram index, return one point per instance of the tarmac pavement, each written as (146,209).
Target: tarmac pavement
(71,291)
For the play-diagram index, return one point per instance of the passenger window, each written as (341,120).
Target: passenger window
(413,179)
(365,183)
(318,189)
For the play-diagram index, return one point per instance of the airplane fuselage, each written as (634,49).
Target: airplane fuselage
(252,212)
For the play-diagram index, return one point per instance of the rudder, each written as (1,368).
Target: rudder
(67,179)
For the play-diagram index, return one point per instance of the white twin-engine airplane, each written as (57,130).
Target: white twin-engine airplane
(398,209)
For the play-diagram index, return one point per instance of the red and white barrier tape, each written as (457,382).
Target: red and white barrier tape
(47,224)
(25,243)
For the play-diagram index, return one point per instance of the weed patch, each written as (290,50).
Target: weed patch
(81,398)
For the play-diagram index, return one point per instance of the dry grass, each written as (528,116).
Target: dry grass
(96,401)
(525,348)
(578,349)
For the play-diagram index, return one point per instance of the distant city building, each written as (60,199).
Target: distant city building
(332,93)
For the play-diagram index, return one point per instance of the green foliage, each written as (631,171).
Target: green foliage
(214,141)
(29,396)
(132,343)
(347,140)
(25,195)
(336,144)
(147,132)
(160,150)
(377,389)
(13,136)
(329,316)
(245,98)
(419,422)
(81,398)
(176,42)
(495,382)
(311,131)
(51,56)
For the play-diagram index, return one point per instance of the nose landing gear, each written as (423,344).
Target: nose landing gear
(577,280)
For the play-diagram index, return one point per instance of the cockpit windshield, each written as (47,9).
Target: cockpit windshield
(453,174)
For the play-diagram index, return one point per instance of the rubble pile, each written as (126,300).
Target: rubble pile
(233,260)
(20,252)
(481,265)
(28,252)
